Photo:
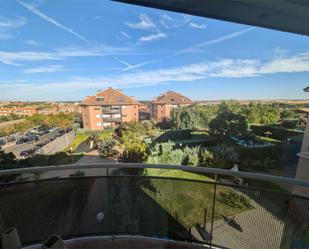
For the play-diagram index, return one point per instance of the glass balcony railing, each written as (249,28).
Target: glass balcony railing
(214,208)
(112,119)
(112,111)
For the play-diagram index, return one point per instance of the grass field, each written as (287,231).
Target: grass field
(187,201)
(79,138)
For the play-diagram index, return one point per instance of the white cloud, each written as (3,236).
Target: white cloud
(145,23)
(200,46)
(197,25)
(8,26)
(13,58)
(31,42)
(224,68)
(131,66)
(32,8)
(169,22)
(45,69)
(126,35)
(152,37)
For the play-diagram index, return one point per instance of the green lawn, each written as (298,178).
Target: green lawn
(187,200)
(186,175)
(79,138)
(268,139)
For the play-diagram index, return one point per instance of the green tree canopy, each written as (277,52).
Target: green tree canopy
(228,123)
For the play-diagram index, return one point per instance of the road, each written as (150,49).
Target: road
(16,149)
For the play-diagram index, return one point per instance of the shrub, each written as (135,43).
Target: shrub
(273,132)
(207,158)
(173,135)
(191,156)
(106,147)
(226,152)
(262,164)
(289,123)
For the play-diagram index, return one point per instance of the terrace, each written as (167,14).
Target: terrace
(119,206)
(123,206)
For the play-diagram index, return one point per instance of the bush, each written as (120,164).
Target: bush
(226,152)
(207,158)
(262,164)
(191,156)
(289,123)
(173,135)
(106,147)
(274,132)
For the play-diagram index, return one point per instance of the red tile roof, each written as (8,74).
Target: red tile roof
(110,96)
(171,97)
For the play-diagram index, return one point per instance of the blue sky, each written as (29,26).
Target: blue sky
(66,50)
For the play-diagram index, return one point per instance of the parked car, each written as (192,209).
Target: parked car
(22,140)
(2,142)
(26,153)
(61,131)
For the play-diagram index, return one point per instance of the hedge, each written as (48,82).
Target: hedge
(275,132)
(173,135)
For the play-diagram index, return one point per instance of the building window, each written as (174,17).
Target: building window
(172,100)
(98,124)
(100,98)
(98,116)
(124,107)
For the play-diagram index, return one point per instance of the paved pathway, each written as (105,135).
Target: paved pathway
(88,158)
(260,228)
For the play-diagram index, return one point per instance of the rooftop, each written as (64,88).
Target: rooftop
(171,97)
(110,96)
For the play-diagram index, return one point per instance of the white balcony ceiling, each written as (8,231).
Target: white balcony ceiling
(285,15)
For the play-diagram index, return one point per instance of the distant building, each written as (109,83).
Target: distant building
(108,108)
(20,111)
(143,112)
(69,107)
(160,107)
(47,110)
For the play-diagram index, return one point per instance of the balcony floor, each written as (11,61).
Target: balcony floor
(124,242)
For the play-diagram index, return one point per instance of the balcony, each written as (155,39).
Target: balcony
(112,119)
(118,206)
(112,111)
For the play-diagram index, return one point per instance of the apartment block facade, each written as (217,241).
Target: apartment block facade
(20,111)
(107,109)
(161,107)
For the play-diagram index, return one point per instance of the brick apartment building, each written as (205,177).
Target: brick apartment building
(108,108)
(20,111)
(161,107)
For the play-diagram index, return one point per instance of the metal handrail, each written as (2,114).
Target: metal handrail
(202,170)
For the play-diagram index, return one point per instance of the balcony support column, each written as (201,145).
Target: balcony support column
(213,210)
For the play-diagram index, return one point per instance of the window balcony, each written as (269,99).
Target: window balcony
(112,119)
(112,111)
(119,206)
